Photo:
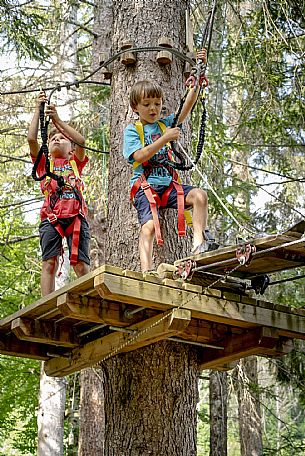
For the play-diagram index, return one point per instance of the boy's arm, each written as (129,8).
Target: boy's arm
(193,94)
(147,152)
(69,131)
(33,128)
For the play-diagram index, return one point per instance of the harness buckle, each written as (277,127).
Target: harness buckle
(52,219)
(145,186)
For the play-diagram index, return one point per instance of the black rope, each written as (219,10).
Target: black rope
(197,72)
(111,59)
(44,150)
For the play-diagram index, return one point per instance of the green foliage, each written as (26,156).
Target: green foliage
(20,26)
(19,383)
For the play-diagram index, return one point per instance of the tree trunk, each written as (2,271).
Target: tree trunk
(92,419)
(91,413)
(218,413)
(150,402)
(249,408)
(150,394)
(149,20)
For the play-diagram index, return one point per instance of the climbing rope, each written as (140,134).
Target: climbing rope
(44,150)
(197,77)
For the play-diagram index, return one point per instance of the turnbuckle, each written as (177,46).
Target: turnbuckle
(185,270)
(244,253)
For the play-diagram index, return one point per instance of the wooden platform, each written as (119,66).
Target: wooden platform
(274,253)
(111,310)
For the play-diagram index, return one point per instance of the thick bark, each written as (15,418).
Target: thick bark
(218,413)
(150,402)
(91,439)
(150,394)
(143,23)
(102,27)
(250,429)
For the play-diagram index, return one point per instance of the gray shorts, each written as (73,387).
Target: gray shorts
(51,240)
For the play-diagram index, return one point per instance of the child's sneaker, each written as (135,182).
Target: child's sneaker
(207,246)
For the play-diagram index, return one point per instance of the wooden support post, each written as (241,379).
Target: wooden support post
(166,271)
(145,333)
(107,73)
(127,58)
(260,341)
(47,332)
(165,57)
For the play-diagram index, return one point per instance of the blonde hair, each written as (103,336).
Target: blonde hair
(144,89)
(53,131)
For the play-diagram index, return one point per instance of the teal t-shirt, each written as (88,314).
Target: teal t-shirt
(132,143)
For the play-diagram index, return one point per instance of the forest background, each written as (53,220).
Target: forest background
(253,158)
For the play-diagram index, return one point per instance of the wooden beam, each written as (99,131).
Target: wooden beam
(145,333)
(260,341)
(47,332)
(47,304)
(215,309)
(94,310)
(11,346)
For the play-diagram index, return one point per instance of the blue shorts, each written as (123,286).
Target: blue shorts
(143,207)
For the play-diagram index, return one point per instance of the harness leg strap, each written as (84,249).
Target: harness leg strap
(153,206)
(75,229)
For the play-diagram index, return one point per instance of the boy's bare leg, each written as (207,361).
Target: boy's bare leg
(198,199)
(81,268)
(146,242)
(48,272)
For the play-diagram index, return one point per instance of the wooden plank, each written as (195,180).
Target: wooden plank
(47,332)
(129,291)
(260,341)
(296,230)
(145,333)
(48,303)
(94,310)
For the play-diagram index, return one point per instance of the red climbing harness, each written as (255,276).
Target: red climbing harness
(65,202)
(153,198)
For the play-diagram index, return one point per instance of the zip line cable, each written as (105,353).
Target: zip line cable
(111,59)
(204,178)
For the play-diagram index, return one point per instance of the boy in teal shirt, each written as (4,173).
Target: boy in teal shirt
(154,183)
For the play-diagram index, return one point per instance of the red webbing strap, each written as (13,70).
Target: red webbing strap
(180,205)
(153,199)
(180,197)
(74,228)
(154,202)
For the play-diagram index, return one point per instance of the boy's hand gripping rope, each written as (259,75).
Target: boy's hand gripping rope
(44,150)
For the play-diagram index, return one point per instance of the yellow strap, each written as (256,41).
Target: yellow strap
(188,217)
(48,179)
(75,169)
(140,130)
